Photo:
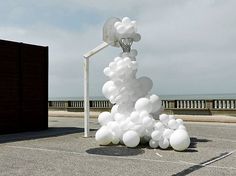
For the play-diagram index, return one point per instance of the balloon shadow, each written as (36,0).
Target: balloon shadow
(115,151)
(195,141)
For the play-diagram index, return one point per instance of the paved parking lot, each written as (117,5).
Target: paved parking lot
(62,150)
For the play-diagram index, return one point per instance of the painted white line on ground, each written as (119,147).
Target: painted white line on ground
(217,159)
(217,167)
(212,161)
(115,157)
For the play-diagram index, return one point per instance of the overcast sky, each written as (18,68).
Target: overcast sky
(187,46)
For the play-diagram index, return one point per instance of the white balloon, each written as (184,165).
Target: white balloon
(129,29)
(117,24)
(180,121)
(104,118)
(114,110)
(180,140)
(159,126)
(156,135)
(167,133)
(105,88)
(134,117)
(164,118)
(107,71)
(146,83)
(134,23)
(117,59)
(131,138)
(126,20)
(136,37)
(119,117)
(173,124)
(156,103)
(134,65)
(143,104)
(147,122)
(181,127)
(121,29)
(115,140)
(143,114)
(112,66)
(164,143)
(139,129)
(153,143)
(103,136)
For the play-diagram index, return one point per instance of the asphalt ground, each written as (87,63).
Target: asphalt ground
(63,151)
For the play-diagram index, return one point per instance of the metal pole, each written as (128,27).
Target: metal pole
(86,97)
(86,85)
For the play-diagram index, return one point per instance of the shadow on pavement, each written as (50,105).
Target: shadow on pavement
(115,151)
(202,164)
(50,132)
(195,141)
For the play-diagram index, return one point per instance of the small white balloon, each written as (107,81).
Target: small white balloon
(115,140)
(131,138)
(173,124)
(159,126)
(181,127)
(164,143)
(121,29)
(167,133)
(164,118)
(117,24)
(180,121)
(153,143)
(126,20)
(156,135)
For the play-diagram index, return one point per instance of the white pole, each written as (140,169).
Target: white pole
(86,85)
(86,97)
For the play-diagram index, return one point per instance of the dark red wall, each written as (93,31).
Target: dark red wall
(23,87)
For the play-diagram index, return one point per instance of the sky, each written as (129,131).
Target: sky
(187,46)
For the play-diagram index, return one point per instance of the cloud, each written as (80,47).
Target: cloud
(187,46)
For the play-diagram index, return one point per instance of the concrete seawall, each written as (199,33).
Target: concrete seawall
(177,107)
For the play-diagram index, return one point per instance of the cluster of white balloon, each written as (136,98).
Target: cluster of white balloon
(133,118)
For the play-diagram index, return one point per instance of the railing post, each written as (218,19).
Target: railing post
(209,104)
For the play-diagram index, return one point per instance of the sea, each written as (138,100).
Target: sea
(163,97)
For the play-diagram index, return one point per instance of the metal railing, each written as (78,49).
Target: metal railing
(167,104)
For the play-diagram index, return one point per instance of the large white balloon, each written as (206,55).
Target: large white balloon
(143,104)
(180,140)
(103,136)
(131,138)
(146,83)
